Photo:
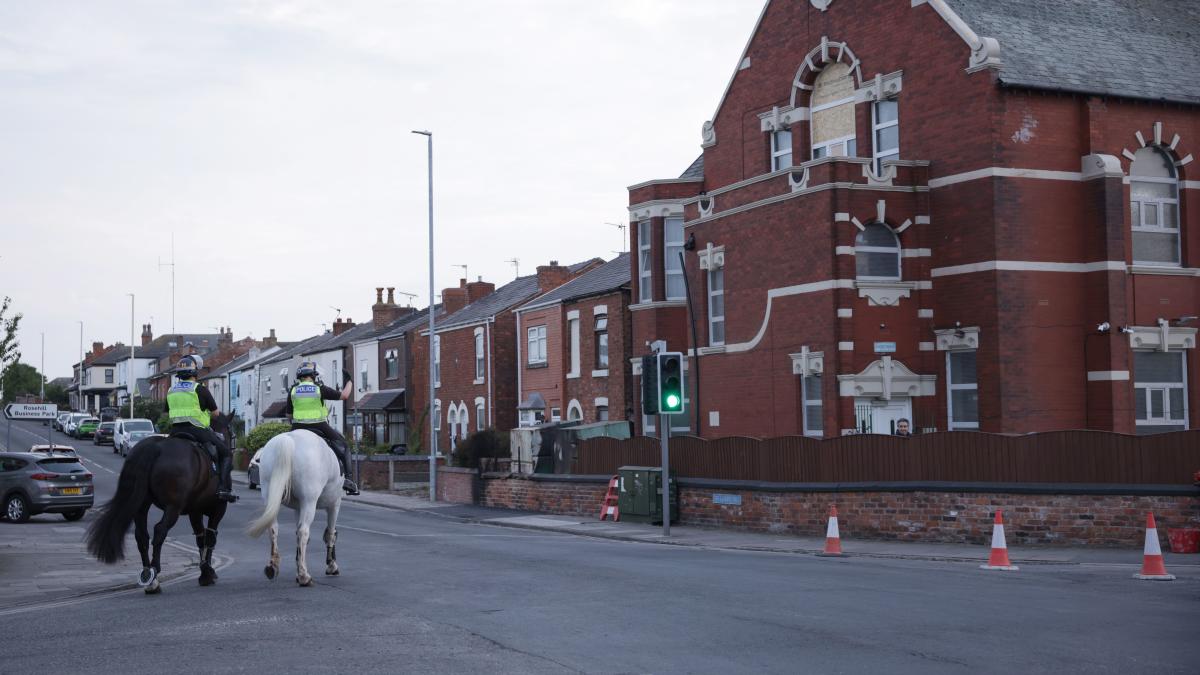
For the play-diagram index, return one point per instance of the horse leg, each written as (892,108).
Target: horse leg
(331,514)
(272,568)
(198,530)
(141,533)
(170,516)
(210,544)
(304,519)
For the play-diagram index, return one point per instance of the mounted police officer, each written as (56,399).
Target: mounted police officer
(190,405)
(306,405)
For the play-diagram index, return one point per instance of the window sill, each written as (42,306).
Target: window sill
(572,376)
(714,349)
(884,293)
(535,366)
(478,380)
(600,373)
(1164,270)
(657,304)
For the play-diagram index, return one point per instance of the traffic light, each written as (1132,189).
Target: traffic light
(670,383)
(650,385)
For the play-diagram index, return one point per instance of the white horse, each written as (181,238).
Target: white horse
(298,469)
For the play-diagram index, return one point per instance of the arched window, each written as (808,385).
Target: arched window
(1154,208)
(877,253)
(574,411)
(832,108)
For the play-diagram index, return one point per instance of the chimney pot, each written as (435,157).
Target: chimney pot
(378,295)
(391,300)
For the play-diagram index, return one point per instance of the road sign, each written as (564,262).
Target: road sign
(31,411)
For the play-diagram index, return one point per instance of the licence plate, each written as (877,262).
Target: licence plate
(72,491)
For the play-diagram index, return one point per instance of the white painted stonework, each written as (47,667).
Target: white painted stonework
(951,339)
(884,378)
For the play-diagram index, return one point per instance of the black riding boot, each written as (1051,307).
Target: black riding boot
(344,457)
(225,488)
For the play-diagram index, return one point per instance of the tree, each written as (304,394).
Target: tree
(10,351)
(20,379)
(57,394)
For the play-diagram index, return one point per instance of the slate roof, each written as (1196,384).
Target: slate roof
(1146,49)
(297,348)
(509,295)
(606,278)
(695,171)
(414,320)
(354,334)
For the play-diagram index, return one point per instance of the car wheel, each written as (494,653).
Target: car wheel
(74,515)
(16,509)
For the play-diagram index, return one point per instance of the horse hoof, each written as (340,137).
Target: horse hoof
(153,588)
(305,583)
(147,577)
(332,572)
(270,572)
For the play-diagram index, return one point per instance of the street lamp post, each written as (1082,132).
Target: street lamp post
(79,385)
(432,391)
(130,383)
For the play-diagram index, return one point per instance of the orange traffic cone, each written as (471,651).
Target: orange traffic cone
(999,558)
(1153,568)
(833,538)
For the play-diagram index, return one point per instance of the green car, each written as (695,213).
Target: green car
(87,428)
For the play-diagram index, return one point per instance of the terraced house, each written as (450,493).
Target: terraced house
(966,213)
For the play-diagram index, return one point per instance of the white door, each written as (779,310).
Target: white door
(880,417)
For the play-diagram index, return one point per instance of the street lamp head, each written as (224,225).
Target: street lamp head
(423,133)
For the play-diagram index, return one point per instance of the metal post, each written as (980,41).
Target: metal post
(8,443)
(432,390)
(79,385)
(42,368)
(130,383)
(664,431)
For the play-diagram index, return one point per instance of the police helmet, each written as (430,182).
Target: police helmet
(188,367)
(307,369)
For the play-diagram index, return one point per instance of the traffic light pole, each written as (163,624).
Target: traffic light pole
(664,432)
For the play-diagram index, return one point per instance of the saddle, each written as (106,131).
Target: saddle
(199,442)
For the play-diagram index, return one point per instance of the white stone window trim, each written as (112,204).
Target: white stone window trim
(959,338)
(574,406)
(951,388)
(480,358)
(1158,204)
(672,265)
(600,401)
(781,157)
(480,413)
(884,378)
(713,317)
(877,155)
(536,344)
(599,309)
(1165,387)
(574,348)
(437,414)
(645,263)
(601,372)
(1163,337)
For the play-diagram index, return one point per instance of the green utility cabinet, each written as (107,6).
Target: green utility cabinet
(639,494)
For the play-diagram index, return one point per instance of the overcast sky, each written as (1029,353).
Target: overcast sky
(272,138)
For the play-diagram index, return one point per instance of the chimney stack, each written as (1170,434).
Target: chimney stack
(477,290)
(391,295)
(552,276)
(340,326)
(384,313)
(454,299)
(147,335)
(97,349)
(270,340)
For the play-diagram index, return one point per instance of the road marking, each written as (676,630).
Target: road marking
(405,536)
(220,562)
(92,461)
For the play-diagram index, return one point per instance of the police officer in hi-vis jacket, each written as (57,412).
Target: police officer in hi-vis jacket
(306,405)
(190,405)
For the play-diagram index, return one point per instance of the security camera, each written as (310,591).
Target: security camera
(1104,327)
(1126,329)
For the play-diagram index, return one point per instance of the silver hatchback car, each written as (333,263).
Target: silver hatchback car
(33,483)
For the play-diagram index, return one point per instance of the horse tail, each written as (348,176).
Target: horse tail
(106,535)
(283,447)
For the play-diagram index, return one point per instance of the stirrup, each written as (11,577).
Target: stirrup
(349,486)
(227,496)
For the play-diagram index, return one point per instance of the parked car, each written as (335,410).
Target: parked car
(33,483)
(87,427)
(104,433)
(60,421)
(52,449)
(73,421)
(127,433)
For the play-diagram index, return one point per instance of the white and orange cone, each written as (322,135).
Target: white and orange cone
(1153,568)
(833,538)
(999,558)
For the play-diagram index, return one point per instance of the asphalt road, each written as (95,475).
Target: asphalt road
(419,593)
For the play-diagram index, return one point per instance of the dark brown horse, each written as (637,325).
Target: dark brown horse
(177,476)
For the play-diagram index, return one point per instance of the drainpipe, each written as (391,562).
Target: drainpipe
(487,338)
(520,368)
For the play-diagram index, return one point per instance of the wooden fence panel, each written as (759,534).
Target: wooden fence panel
(953,456)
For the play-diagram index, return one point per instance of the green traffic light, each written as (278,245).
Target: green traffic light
(672,401)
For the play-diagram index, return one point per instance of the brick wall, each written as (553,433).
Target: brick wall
(933,516)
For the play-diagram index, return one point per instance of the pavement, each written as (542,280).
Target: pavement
(750,541)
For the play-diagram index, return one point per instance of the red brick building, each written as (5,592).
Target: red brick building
(575,349)
(965,213)
(475,355)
